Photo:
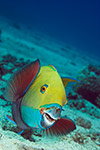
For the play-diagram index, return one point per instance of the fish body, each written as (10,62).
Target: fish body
(38,96)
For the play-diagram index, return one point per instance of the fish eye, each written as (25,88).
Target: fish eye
(43,88)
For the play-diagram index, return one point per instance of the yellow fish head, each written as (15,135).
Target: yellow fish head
(47,88)
(46,94)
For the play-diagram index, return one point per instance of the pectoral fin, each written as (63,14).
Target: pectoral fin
(21,81)
(61,127)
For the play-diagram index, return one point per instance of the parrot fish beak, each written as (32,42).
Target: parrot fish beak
(49,116)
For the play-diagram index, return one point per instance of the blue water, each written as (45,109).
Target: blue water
(75,22)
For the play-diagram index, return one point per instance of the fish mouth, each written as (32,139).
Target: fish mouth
(49,116)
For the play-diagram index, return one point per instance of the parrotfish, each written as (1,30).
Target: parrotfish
(38,96)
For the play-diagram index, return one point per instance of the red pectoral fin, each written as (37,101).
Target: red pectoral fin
(21,81)
(61,126)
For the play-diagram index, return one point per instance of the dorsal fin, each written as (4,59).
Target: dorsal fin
(21,81)
(52,67)
(67,80)
(68,83)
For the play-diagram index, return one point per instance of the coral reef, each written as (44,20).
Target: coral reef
(79,138)
(9,64)
(82,138)
(76,101)
(84,106)
(95,137)
(89,87)
(83,122)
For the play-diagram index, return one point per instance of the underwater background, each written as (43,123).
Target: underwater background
(65,34)
(76,23)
